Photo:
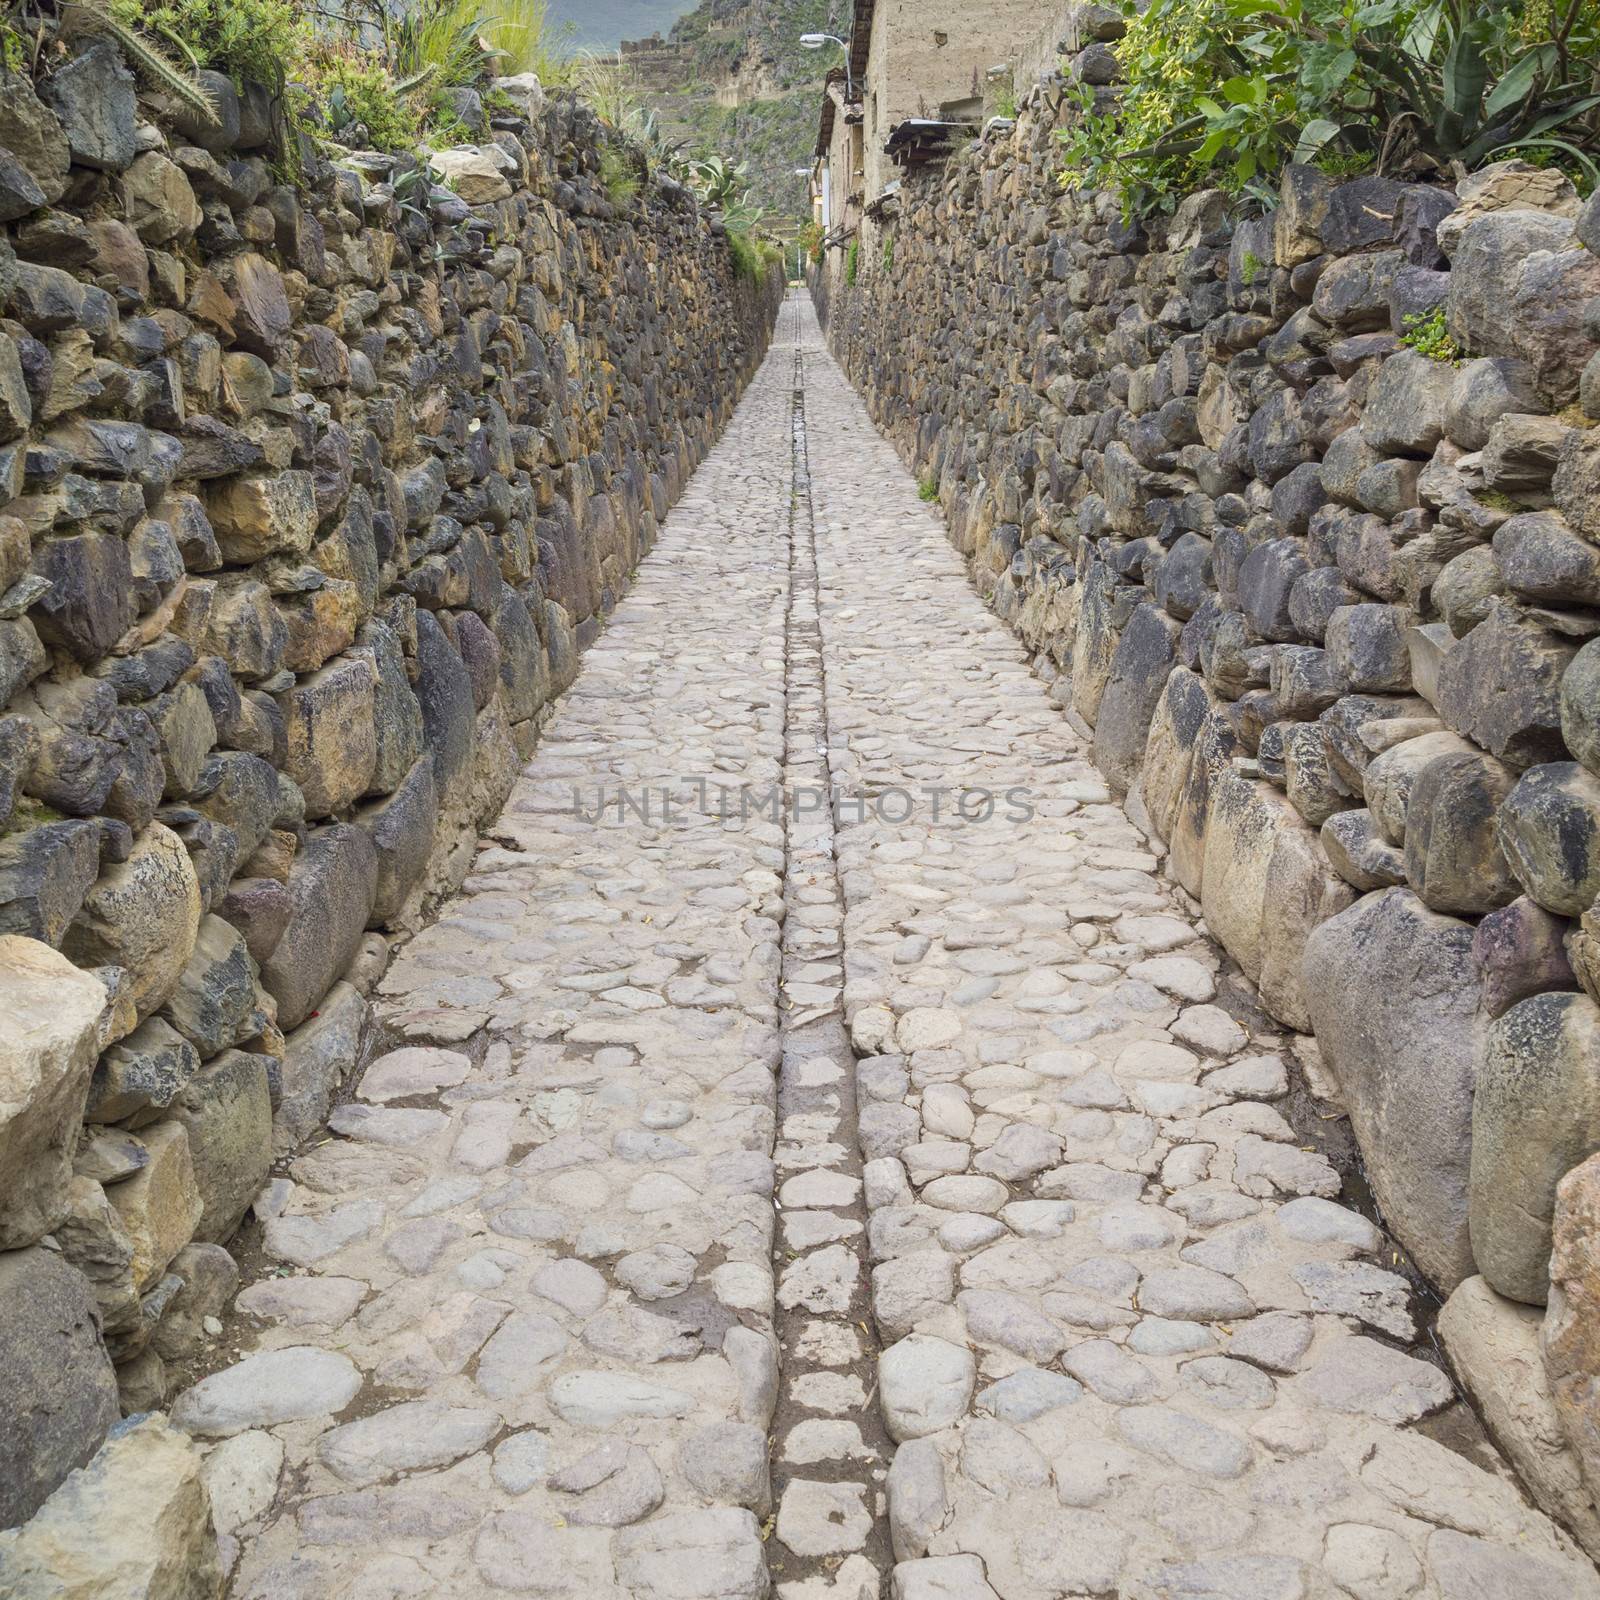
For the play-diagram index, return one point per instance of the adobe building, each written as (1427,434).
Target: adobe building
(917,78)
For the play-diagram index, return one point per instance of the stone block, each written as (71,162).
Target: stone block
(138,1077)
(49,1036)
(1388,778)
(260,909)
(1359,853)
(396,716)
(44,874)
(1367,647)
(1452,852)
(1570,1339)
(1405,412)
(1549,828)
(332,884)
(1580,706)
(403,830)
(1265,884)
(142,914)
(135,1523)
(227,1109)
(1266,579)
(1494,1346)
(318,1057)
(93,95)
(1143,658)
(1174,730)
(60,1387)
(1542,559)
(1501,687)
(332,745)
(90,603)
(1392,994)
(1520,951)
(159,1204)
(258,517)
(1535,1116)
(1214,749)
(215,996)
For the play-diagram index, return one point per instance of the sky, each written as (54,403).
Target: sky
(601,24)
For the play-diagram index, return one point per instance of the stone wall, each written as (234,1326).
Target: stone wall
(1331,609)
(309,498)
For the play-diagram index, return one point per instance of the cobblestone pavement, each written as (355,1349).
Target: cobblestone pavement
(1065,1307)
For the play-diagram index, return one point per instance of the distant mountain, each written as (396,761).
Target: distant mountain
(603,24)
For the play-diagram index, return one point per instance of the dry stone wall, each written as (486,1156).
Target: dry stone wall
(310,495)
(1331,609)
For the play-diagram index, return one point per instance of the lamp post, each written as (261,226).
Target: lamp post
(815,41)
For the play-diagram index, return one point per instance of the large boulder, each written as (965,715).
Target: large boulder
(1535,1116)
(1550,831)
(141,915)
(1501,685)
(1392,992)
(1571,1335)
(402,829)
(332,882)
(61,1392)
(1452,855)
(227,1109)
(1494,1345)
(134,1524)
(1265,885)
(215,997)
(1139,669)
(160,1203)
(328,719)
(49,1037)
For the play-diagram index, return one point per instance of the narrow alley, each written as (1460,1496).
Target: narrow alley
(831,1200)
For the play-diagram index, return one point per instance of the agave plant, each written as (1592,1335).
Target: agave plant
(1463,87)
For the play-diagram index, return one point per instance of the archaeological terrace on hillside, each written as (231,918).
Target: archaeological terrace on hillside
(929,933)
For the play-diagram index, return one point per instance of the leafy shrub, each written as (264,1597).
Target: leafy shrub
(617,175)
(250,40)
(1427,335)
(852,261)
(927,487)
(811,235)
(888,253)
(746,257)
(1225,91)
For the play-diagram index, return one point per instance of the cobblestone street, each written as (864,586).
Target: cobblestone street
(898,1198)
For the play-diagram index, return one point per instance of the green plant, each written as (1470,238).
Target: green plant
(1250,268)
(529,41)
(811,236)
(888,253)
(927,487)
(1427,335)
(251,40)
(852,260)
(1005,103)
(608,87)
(360,105)
(1228,90)
(660,152)
(746,256)
(617,175)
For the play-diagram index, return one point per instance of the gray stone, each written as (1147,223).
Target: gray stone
(727,1463)
(63,1391)
(215,996)
(402,828)
(1184,1441)
(1393,994)
(1535,1116)
(1549,828)
(924,1385)
(317,1058)
(693,1555)
(405,1438)
(227,1109)
(919,1505)
(332,883)
(93,94)
(1452,855)
(140,1075)
(295,1383)
(1364,1378)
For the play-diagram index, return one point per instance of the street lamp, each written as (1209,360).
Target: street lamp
(815,41)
